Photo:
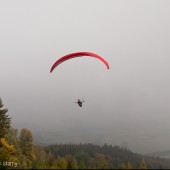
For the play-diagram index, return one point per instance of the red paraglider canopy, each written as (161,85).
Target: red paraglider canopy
(77,54)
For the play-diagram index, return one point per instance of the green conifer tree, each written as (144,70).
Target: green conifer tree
(5,121)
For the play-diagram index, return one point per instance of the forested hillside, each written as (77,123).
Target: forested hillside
(106,156)
(18,151)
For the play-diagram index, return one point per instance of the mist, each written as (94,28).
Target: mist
(127,105)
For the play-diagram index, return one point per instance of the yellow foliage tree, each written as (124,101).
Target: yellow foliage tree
(123,166)
(103,163)
(143,165)
(62,163)
(129,165)
(8,159)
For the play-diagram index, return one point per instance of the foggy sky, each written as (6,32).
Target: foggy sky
(125,105)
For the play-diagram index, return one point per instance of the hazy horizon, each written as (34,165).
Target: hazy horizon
(125,105)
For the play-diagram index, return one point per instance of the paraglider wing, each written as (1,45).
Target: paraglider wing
(77,54)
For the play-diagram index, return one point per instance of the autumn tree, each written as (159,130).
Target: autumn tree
(26,148)
(123,165)
(143,165)
(7,154)
(102,161)
(40,161)
(129,165)
(82,165)
(62,163)
(12,137)
(71,162)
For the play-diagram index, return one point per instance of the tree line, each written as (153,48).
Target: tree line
(17,151)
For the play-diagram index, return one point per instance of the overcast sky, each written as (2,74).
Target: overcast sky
(129,104)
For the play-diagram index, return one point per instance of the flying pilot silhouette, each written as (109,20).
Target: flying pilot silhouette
(79,102)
